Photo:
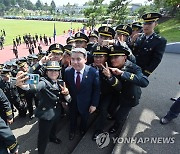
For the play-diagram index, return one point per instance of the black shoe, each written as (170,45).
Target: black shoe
(173,99)
(71,135)
(96,133)
(55,140)
(164,121)
(114,128)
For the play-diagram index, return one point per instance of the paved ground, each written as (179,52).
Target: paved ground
(7,53)
(143,121)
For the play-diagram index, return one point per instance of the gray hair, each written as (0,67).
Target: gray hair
(80,50)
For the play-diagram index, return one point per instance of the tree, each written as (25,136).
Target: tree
(53,5)
(2,9)
(118,10)
(29,5)
(172,6)
(13,2)
(95,12)
(39,5)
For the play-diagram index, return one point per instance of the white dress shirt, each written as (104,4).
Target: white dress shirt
(81,74)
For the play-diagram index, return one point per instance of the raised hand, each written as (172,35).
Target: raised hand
(116,71)
(107,42)
(45,59)
(64,89)
(21,78)
(106,70)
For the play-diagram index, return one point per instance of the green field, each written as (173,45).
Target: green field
(14,28)
(170,30)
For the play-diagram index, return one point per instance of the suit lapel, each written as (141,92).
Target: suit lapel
(72,77)
(85,75)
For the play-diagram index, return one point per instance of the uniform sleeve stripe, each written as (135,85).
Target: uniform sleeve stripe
(116,82)
(12,146)
(9,113)
(147,72)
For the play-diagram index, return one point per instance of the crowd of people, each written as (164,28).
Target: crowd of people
(31,42)
(102,72)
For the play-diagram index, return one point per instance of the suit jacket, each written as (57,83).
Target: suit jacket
(89,91)
(149,52)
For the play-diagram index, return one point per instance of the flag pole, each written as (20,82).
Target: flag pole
(54,34)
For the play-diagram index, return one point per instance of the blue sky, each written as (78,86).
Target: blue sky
(80,2)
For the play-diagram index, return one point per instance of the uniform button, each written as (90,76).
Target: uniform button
(56,102)
(54,106)
(125,80)
(57,97)
(43,108)
(59,92)
(132,96)
(120,92)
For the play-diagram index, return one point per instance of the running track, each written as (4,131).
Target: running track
(7,53)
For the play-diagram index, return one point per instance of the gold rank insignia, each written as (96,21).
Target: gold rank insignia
(112,49)
(98,47)
(57,46)
(78,34)
(106,29)
(149,15)
(124,27)
(53,63)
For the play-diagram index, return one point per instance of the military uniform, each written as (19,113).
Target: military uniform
(70,40)
(67,51)
(5,107)
(24,95)
(10,90)
(106,31)
(39,68)
(131,80)
(107,88)
(127,31)
(149,50)
(7,139)
(49,109)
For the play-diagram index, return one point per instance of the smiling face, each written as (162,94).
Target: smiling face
(78,61)
(52,74)
(99,60)
(118,61)
(148,28)
(56,56)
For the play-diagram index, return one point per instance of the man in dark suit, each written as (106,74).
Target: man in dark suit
(83,84)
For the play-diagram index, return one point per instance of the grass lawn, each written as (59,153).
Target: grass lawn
(170,30)
(14,28)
